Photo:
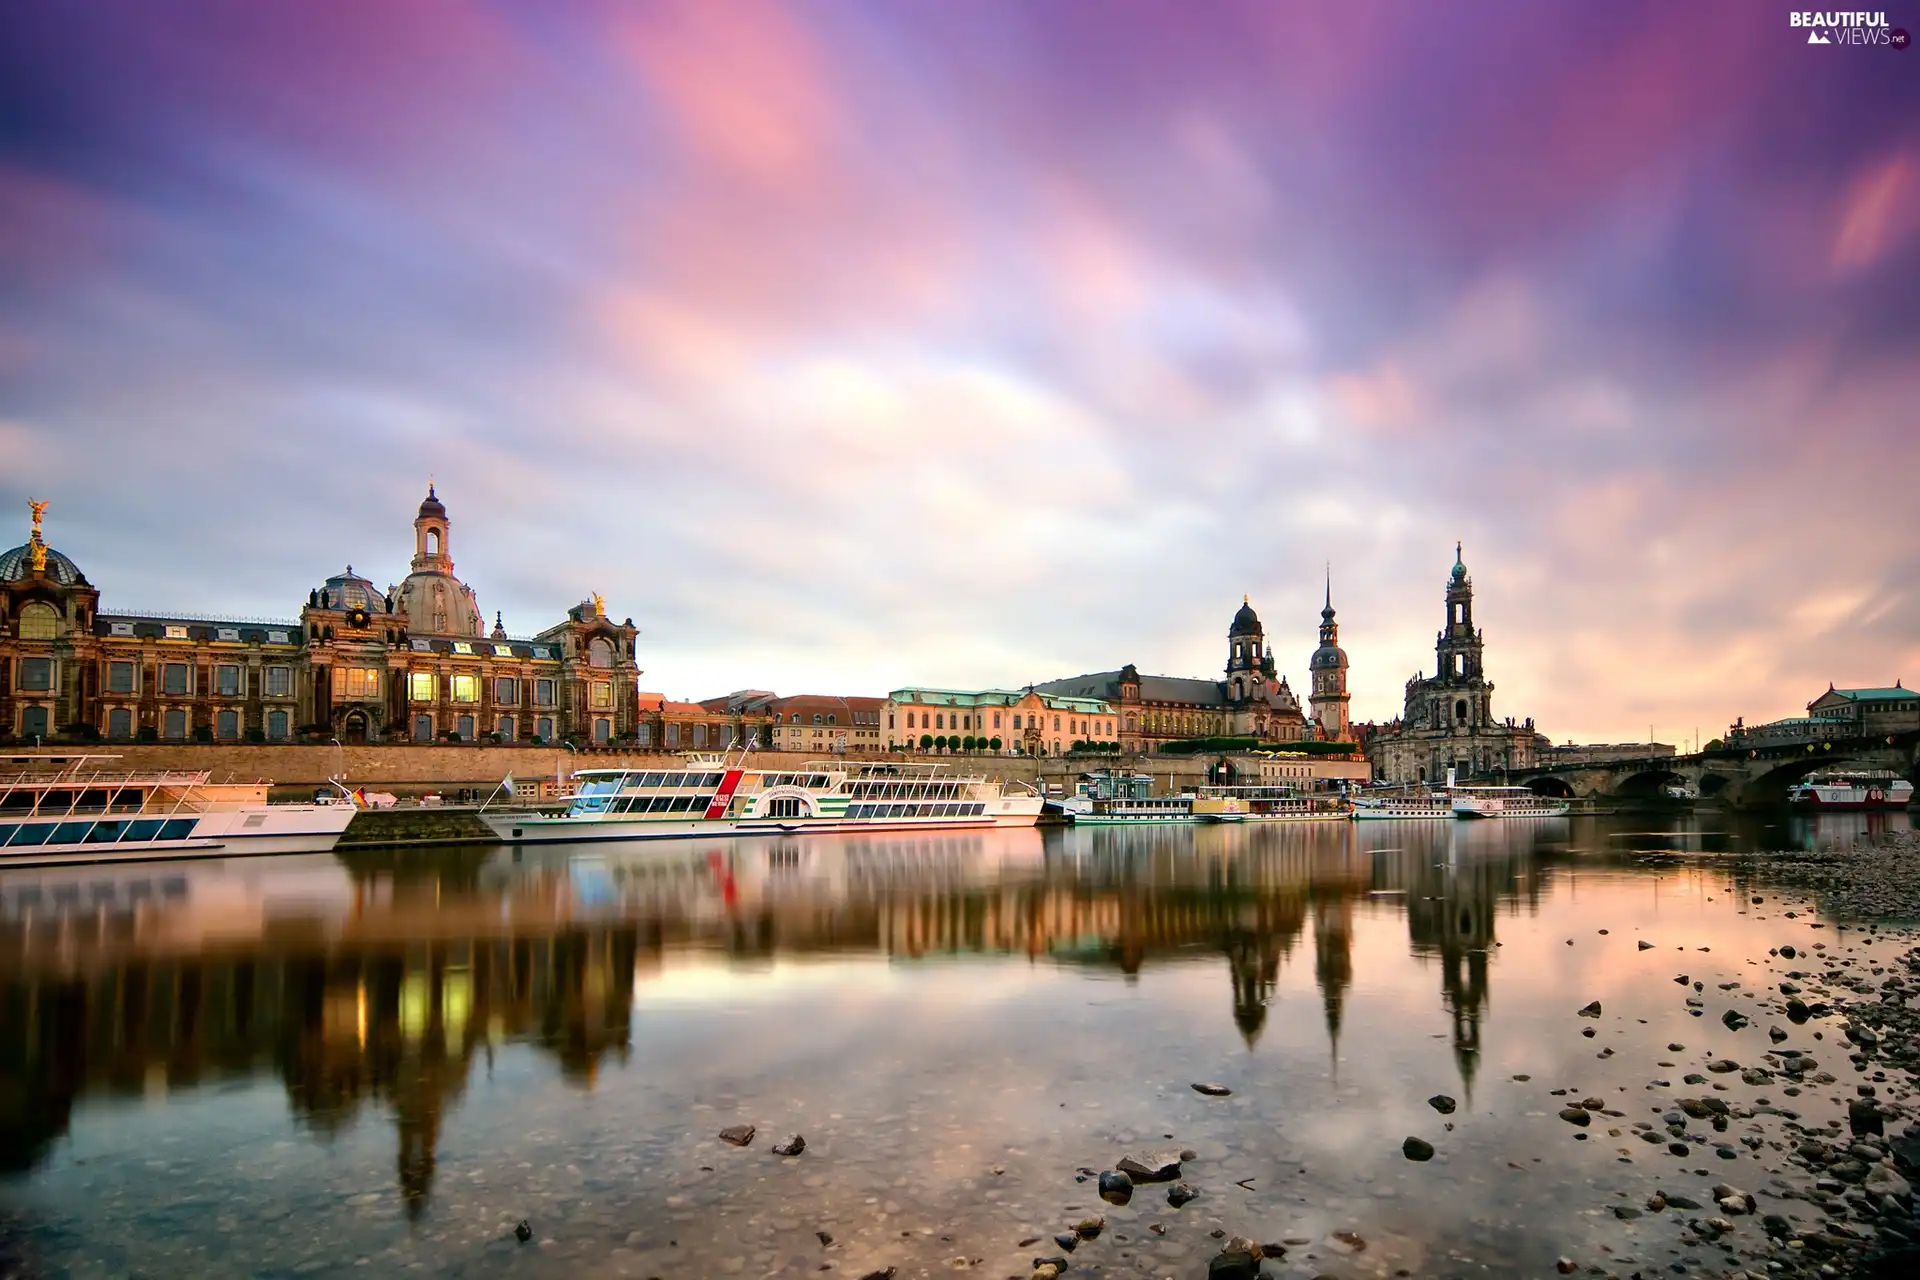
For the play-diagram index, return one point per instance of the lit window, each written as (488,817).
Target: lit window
(466,688)
(176,633)
(420,688)
(602,693)
(462,646)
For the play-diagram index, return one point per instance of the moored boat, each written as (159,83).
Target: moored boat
(1271,803)
(713,794)
(1402,806)
(1503,802)
(1861,790)
(71,809)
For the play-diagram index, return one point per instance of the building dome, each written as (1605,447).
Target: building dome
(1459,566)
(431,507)
(1246,622)
(13,566)
(1328,657)
(351,591)
(439,604)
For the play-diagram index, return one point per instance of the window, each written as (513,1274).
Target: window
(36,673)
(940,721)
(543,728)
(909,719)
(119,724)
(1016,722)
(599,652)
(229,634)
(503,651)
(996,719)
(603,730)
(277,637)
(463,646)
(543,693)
(505,729)
(423,728)
(38,621)
(33,722)
(830,718)
(1056,724)
(699,733)
(120,628)
(466,688)
(356,682)
(673,735)
(174,681)
(506,689)
(420,687)
(176,633)
(643,735)
(817,719)
(276,726)
(226,680)
(602,693)
(226,724)
(464,726)
(279,682)
(173,725)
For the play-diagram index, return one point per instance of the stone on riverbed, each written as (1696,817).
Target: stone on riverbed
(1417,1149)
(1577,1116)
(1442,1103)
(1163,1166)
(1591,1010)
(739,1135)
(1212,1090)
(1116,1188)
(791,1147)
(1734,1019)
(1181,1193)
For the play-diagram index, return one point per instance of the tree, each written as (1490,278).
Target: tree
(926,742)
(940,742)
(969,742)
(995,744)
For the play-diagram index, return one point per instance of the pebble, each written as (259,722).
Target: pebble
(1442,1103)
(1213,1090)
(739,1135)
(1420,1148)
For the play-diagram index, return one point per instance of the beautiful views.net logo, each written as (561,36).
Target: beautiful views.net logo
(1849,27)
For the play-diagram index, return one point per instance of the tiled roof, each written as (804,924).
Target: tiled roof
(1106,684)
(1877,695)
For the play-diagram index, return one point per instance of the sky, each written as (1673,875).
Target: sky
(849,345)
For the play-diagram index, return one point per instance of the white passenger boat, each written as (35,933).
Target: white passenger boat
(1271,803)
(1403,806)
(1869,790)
(65,809)
(1504,802)
(718,795)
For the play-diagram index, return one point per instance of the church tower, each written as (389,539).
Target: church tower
(1457,652)
(430,551)
(1247,665)
(1329,666)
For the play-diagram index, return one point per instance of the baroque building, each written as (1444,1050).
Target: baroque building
(1448,722)
(1329,672)
(1252,701)
(1018,721)
(411,663)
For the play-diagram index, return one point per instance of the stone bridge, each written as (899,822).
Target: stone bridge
(1744,777)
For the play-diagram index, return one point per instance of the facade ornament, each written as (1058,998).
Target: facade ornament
(599,605)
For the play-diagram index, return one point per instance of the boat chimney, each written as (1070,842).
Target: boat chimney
(1449,777)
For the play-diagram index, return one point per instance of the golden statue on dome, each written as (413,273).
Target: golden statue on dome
(36,545)
(599,604)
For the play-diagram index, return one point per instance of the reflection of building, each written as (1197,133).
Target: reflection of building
(1449,721)
(1033,721)
(1252,701)
(412,663)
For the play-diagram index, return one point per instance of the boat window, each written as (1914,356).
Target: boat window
(30,833)
(176,828)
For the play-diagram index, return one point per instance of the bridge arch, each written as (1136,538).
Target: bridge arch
(1647,783)
(1551,786)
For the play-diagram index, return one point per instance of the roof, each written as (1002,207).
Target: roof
(1876,695)
(13,566)
(1246,622)
(1106,684)
(215,629)
(1093,704)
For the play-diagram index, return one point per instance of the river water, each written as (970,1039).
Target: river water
(381,1062)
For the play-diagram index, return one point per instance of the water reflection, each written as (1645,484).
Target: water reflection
(379,984)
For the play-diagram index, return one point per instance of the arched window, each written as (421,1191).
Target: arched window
(599,652)
(119,724)
(816,717)
(38,621)
(433,542)
(909,719)
(1460,710)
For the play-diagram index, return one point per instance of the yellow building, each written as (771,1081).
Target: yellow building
(994,721)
